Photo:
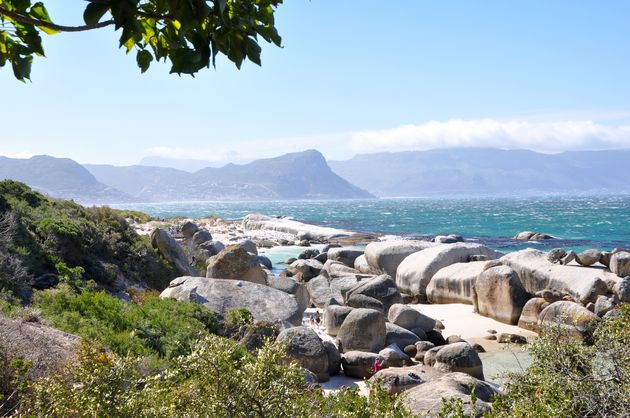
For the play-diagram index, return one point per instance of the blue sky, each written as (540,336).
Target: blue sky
(353,77)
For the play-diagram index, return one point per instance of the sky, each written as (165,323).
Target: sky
(353,76)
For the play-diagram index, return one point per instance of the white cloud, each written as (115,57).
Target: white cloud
(21,154)
(538,134)
(509,134)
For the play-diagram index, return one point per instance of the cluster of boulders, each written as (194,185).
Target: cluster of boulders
(363,294)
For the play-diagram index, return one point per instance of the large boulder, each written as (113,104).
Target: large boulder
(361,265)
(220,295)
(454,283)
(622,290)
(399,336)
(427,399)
(48,349)
(459,357)
(200,237)
(537,273)
(362,301)
(189,228)
(304,346)
(170,249)
(530,313)
(359,364)
(307,268)
(398,380)
(409,318)
(334,315)
(531,236)
(499,294)
(381,288)
(416,271)
(334,358)
(393,356)
(362,330)
(292,287)
(236,263)
(345,283)
(337,268)
(290,226)
(321,293)
(387,255)
(571,317)
(620,263)
(588,257)
(344,255)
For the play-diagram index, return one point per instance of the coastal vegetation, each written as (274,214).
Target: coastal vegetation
(144,355)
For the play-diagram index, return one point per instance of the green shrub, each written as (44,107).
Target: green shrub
(219,378)
(570,379)
(13,381)
(46,232)
(163,327)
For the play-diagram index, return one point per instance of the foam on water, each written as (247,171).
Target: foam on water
(581,222)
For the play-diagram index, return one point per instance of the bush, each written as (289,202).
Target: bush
(13,382)
(570,379)
(163,327)
(46,232)
(217,379)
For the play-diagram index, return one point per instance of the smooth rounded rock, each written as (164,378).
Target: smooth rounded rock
(362,330)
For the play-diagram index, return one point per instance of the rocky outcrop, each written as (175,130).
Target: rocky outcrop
(454,283)
(588,257)
(362,330)
(573,318)
(531,236)
(236,263)
(620,263)
(410,318)
(344,255)
(361,265)
(334,315)
(321,293)
(459,357)
(427,399)
(416,271)
(170,249)
(381,288)
(307,269)
(220,295)
(530,313)
(537,273)
(398,380)
(359,364)
(290,286)
(334,358)
(399,336)
(362,301)
(499,294)
(255,222)
(393,356)
(46,348)
(385,256)
(304,346)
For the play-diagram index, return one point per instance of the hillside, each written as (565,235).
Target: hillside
(302,175)
(481,171)
(59,177)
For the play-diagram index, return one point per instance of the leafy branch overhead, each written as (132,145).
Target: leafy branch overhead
(187,33)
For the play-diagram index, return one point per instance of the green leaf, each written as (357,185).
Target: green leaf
(94,12)
(38,11)
(22,67)
(144,59)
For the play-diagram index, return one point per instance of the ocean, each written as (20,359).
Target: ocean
(578,223)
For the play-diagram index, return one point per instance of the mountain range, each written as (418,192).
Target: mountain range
(307,175)
(483,171)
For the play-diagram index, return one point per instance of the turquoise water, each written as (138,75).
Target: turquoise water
(578,222)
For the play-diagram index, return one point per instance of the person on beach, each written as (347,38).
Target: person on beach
(312,321)
(378,365)
(318,318)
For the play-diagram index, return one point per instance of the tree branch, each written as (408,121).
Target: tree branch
(40,23)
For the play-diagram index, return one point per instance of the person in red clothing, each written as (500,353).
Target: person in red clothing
(378,364)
